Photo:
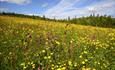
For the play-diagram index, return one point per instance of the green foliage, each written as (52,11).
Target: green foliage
(100,21)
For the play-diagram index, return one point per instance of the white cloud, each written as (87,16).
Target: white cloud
(16,1)
(65,8)
(60,7)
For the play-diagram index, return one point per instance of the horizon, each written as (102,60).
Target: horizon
(60,9)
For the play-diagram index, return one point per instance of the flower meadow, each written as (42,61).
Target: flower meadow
(31,44)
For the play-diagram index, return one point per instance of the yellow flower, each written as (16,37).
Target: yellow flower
(80,56)
(43,51)
(53,68)
(94,69)
(57,42)
(98,62)
(32,62)
(45,57)
(83,62)
(49,57)
(23,64)
(63,68)
(85,52)
(28,62)
(51,53)
(33,66)
(75,64)
(86,68)
(70,63)
(59,69)
(25,67)
(52,65)
(86,60)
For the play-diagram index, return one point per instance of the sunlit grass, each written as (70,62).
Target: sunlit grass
(29,44)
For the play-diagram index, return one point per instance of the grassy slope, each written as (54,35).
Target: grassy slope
(22,39)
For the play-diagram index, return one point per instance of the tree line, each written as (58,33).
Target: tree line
(92,20)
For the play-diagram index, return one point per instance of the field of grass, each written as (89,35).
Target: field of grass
(31,44)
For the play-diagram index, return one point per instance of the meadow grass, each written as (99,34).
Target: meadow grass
(31,44)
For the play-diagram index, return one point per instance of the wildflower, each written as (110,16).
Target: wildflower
(23,64)
(64,64)
(32,62)
(57,42)
(63,68)
(85,52)
(52,65)
(59,69)
(10,53)
(52,68)
(70,63)
(93,69)
(33,66)
(25,67)
(86,68)
(83,62)
(49,57)
(98,62)
(43,51)
(39,68)
(86,60)
(51,53)
(57,66)
(46,43)
(80,56)
(75,64)
(28,62)
(45,57)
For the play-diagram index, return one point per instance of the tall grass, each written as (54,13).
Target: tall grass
(28,44)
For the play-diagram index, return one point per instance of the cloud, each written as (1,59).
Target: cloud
(60,7)
(16,1)
(65,8)
(3,9)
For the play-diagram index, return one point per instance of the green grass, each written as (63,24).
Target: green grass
(29,44)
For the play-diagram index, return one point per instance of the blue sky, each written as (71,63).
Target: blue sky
(59,8)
